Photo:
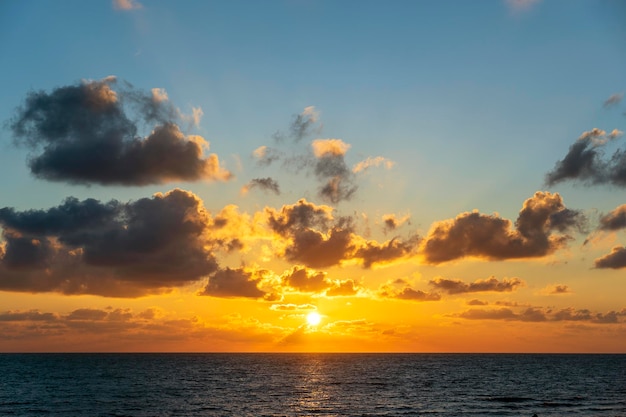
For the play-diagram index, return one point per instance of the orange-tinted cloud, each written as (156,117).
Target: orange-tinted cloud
(492,237)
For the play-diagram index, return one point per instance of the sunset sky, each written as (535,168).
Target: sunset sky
(443,176)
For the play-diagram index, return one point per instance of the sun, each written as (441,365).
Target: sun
(313,318)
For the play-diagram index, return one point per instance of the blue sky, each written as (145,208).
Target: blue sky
(473,102)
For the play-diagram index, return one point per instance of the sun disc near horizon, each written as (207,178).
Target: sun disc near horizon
(313,318)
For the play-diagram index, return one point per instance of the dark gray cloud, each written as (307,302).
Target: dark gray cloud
(492,237)
(111,249)
(614,260)
(237,282)
(83,133)
(266,184)
(585,161)
(454,286)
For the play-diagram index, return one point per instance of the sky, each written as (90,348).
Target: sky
(311,175)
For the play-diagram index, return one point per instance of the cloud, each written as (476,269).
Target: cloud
(492,237)
(234,283)
(613,100)
(302,125)
(372,162)
(343,289)
(305,280)
(391,222)
(615,220)
(392,250)
(614,260)
(329,147)
(265,155)
(111,249)
(293,307)
(584,161)
(338,182)
(126,5)
(32,315)
(556,289)
(453,286)
(313,237)
(476,302)
(532,314)
(266,184)
(400,289)
(84,134)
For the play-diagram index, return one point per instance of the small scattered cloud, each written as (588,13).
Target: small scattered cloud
(556,289)
(613,100)
(302,126)
(392,222)
(265,184)
(372,162)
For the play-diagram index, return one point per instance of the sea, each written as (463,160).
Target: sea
(311,384)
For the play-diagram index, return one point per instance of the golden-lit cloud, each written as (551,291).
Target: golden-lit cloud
(329,147)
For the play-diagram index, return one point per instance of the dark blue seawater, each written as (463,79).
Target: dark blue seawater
(312,385)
